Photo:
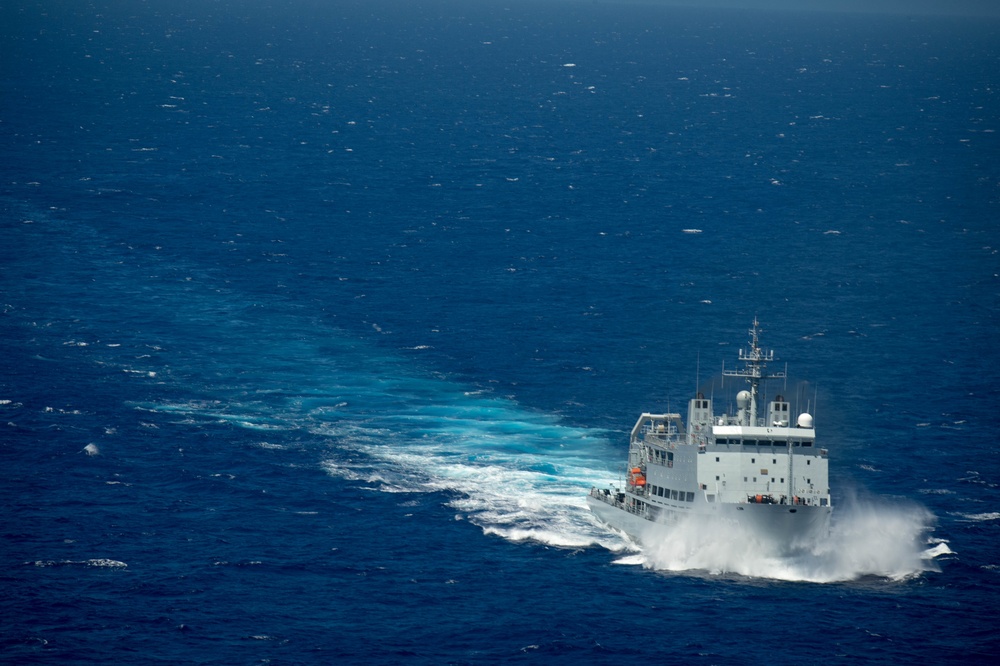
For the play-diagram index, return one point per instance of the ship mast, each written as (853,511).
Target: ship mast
(755,362)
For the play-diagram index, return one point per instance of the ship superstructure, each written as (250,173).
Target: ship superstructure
(753,468)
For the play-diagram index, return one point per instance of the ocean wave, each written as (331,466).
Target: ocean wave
(96,562)
(981,517)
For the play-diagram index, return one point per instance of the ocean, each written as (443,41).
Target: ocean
(320,319)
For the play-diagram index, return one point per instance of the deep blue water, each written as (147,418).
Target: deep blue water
(357,300)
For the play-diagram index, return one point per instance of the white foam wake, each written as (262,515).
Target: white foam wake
(534,494)
(516,473)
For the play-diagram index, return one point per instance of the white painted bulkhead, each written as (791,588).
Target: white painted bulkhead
(745,461)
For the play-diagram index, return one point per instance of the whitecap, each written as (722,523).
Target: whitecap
(981,517)
(936,551)
(637,559)
(96,562)
(257,426)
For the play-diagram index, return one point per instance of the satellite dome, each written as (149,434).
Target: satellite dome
(805,420)
(743,399)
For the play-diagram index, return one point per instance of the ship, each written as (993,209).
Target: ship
(748,471)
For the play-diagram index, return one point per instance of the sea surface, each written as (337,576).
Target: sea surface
(318,321)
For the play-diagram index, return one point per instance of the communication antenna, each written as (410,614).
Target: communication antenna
(755,360)
(697,372)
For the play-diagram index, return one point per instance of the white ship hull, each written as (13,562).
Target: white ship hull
(780,529)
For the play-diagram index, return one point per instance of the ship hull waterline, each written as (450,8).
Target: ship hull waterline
(777,529)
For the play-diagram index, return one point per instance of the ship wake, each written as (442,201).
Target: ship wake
(868,538)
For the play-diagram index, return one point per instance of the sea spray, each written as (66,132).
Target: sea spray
(873,537)
(868,537)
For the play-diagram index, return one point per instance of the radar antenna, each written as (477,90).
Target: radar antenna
(755,362)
